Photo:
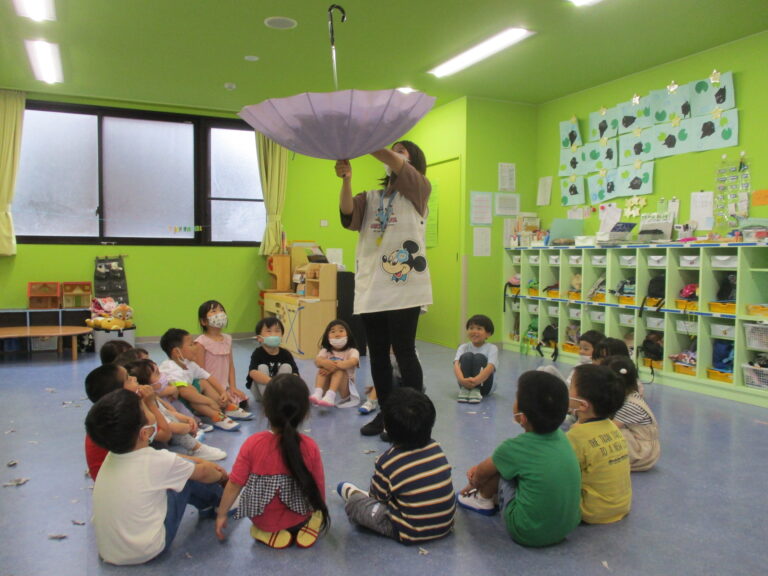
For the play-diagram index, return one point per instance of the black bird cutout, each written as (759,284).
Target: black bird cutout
(574,162)
(636,183)
(573,190)
(638,148)
(707,129)
(610,188)
(602,127)
(609,154)
(572,136)
(685,108)
(670,141)
(720,95)
(627,121)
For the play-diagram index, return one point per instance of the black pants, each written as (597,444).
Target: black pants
(396,329)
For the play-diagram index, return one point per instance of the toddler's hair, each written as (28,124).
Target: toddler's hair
(131,355)
(625,369)
(481,320)
(111,349)
(594,337)
(601,387)
(115,420)
(543,398)
(409,416)
(205,307)
(103,380)
(268,322)
(286,404)
(173,338)
(142,370)
(609,347)
(325,342)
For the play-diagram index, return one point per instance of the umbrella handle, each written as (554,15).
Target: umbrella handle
(331,8)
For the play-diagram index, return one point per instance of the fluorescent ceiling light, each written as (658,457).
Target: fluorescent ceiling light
(584,2)
(38,10)
(45,60)
(406,90)
(481,51)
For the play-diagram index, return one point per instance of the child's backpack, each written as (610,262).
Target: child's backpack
(549,338)
(572,333)
(727,290)
(722,355)
(625,288)
(689,292)
(576,282)
(598,286)
(657,290)
(653,345)
(511,289)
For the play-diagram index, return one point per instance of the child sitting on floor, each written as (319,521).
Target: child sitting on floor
(635,419)
(476,361)
(606,487)
(280,473)
(411,497)
(141,493)
(111,349)
(534,475)
(192,381)
(269,359)
(336,363)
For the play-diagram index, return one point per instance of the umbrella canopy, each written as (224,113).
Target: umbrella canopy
(338,125)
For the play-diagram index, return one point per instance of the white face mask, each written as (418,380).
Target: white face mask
(154,432)
(585,359)
(388,170)
(218,320)
(338,342)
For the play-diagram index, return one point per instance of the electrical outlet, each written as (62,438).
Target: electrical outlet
(323,223)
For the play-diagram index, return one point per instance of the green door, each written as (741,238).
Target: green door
(442,322)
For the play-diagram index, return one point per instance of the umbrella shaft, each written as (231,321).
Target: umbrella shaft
(333,60)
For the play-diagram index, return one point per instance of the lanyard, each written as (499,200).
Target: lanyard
(383,214)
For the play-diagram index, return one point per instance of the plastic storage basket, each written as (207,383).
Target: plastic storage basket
(627,319)
(755,377)
(756,336)
(574,259)
(684,369)
(718,330)
(654,323)
(554,260)
(553,310)
(713,374)
(574,313)
(597,315)
(533,308)
(686,326)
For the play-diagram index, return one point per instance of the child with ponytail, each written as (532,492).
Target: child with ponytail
(280,474)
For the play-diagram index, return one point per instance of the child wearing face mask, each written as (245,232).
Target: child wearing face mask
(269,359)
(214,349)
(336,364)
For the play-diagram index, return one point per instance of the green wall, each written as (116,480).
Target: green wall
(685,173)
(166,283)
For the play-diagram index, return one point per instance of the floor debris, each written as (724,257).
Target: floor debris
(16,482)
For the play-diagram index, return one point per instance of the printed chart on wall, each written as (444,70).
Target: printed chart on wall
(623,142)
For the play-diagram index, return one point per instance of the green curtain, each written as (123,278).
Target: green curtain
(11,119)
(272,165)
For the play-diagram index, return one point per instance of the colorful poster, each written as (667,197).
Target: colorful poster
(717,131)
(572,191)
(598,155)
(633,116)
(571,162)
(635,181)
(707,95)
(603,124)
(602,186)
(569,133)
(637,145)
(674,138)
(666,107)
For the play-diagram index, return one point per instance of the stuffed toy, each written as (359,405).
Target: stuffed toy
(118,318)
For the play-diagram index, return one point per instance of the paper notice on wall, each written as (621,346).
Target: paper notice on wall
(482,241)
(703,210)
(335,256)
(510,230)
(506,177)
(507,204)
(481,208)
(579,213)
(544,192)
(610,215)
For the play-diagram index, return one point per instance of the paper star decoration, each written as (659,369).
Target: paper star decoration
(717,112)
(714,78)
(638,164)
(603,172)
(573,178)
(637,132)
(676,121)
(672,87)
(573,119)
(604,141)
(574,147)
(603,111)
(635,99)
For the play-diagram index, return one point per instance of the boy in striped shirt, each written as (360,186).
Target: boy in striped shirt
(411,497)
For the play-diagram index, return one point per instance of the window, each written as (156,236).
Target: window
(95,175)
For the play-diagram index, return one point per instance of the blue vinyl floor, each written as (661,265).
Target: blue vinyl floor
(703,510)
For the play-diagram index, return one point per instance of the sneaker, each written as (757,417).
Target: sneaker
(345,489)
(477,503)
(475,397)
(369,406)
(329,400)
(316,396)
(384,436)
(374,427)
(239,414)
(200,436)
(210,453)
(202,427)
(463,395)
(227,424)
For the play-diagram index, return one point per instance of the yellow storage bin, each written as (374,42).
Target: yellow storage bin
(553,293)
(574,295)
(627,300)
(514,290)
(533,291)
(689,305)
(656,364)
(757,309)
(571,347)
(719,376)
(684,369)
(653,302)
(723,307)
(598,297)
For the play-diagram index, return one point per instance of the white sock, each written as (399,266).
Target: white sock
(330,396)
(318,393)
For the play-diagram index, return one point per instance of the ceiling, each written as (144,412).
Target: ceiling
(181,53)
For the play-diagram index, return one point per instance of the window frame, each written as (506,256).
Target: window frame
(202,126)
